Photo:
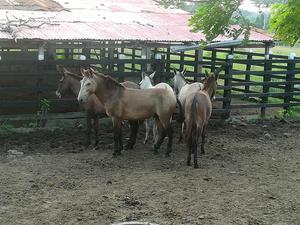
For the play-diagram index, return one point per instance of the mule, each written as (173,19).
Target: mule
(182,88)
(145,83)
(70,84)
(122,103)
(197,111)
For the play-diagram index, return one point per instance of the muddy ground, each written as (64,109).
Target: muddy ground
(250,175)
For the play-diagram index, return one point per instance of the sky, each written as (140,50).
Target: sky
(247,5)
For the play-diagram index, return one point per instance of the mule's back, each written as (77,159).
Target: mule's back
(188,89)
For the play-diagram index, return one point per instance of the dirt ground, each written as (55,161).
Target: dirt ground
(249,175)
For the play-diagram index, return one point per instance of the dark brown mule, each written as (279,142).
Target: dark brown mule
(197,111)
(122,103)
(70,84)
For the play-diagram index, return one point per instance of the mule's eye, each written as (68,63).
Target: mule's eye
(88,84)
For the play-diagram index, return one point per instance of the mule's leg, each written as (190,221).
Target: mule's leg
(120,140)
(203,140)
(89,129)
(181,133)
(189,156)
(134,126)
(116,131)
(154,131)
(162,133)
(96,129)
(170,140)
(147,125)
(195,155)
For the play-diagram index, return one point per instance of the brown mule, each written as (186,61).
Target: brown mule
(122,103)
(70,83)
(197,111)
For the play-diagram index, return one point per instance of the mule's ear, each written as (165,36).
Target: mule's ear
(184,71)
(216,74)
(152,75)
(84,72)
(143,75)
(58,68)
(92,70)
(206,74)
(62,77)
(174,71)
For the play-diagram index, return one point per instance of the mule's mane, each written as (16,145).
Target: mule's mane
(111,82)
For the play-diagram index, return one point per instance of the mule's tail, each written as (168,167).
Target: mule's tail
(180,118)
(192,128)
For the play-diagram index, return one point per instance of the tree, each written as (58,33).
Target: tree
(284,21)
(216,17)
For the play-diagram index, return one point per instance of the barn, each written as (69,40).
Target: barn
(122,37)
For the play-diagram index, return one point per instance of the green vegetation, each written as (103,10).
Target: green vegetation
(6,129)
(40,117)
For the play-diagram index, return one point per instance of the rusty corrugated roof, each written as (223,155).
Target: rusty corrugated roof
(140,20)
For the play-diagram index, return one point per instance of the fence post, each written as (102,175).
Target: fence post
(198,67)
(121,67)
(181,66)
(248,69)
(227,86)
(290,76)
(213,60)
(266,86)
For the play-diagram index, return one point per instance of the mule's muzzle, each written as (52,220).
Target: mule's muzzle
(58,94)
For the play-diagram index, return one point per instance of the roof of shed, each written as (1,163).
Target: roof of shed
(124,20)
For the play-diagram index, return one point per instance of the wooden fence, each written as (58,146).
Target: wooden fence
(262,82)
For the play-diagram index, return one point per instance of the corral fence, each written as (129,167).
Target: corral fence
(261,81)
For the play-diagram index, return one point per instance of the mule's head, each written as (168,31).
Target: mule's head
(210,83)
(147,80)
(179,80)
(65,84)
(88,85)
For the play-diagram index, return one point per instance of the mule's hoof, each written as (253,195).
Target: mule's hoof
(155,152)
(188,163)
(115,155)
(119,153)
(168,154)
(196,166)
(202,152)
(128,146)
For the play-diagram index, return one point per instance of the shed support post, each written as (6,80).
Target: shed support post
(168,65)
(146,54)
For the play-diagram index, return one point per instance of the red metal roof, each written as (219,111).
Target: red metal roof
(140,20)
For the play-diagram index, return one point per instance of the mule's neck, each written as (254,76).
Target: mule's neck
(210,92)
(180,82)
(146,83)
(74,85)
(104,91)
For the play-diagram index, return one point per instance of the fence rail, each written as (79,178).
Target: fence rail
(261,82)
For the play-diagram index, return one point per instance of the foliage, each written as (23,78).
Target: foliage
(285,21)
(6,129)
(287,113)
(207,19)
(41,114)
